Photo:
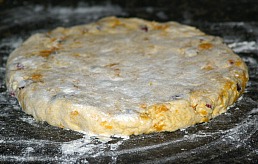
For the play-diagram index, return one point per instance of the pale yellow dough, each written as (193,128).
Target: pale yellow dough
(121,76)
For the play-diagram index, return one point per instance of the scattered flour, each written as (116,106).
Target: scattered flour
(87,146)
(253,111)
(11,43)
(244,46)
(29,120)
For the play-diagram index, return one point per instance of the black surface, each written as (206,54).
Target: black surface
(229,138)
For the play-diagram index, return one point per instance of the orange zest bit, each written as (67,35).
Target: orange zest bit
(161,27)
(116,22)
(36,77)
(203,112)
(163,108)
(194,106)
(208,68)
(205,46)
(159,127)
(74,113)
(228,85)
(205,119)
(144,116)
(105,125)
(46,53)
(143,106)
(111,64)
(160,108)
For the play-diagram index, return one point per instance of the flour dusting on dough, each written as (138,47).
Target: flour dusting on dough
(124,76)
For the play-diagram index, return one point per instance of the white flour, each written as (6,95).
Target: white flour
(12,42)
(244,46)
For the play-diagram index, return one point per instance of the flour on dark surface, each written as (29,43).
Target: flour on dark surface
(231,137)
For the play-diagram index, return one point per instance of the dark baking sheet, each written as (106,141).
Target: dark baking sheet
(231,137)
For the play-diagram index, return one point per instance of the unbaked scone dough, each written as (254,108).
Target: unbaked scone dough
(121,76)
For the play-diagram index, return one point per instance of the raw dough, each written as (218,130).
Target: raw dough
(121,76)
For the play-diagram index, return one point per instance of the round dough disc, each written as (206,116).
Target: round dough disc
(124,76)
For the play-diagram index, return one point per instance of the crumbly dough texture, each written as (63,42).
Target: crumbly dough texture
(125,76)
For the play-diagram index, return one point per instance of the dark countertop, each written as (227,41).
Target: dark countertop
(229,138)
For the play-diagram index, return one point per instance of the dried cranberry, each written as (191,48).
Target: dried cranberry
(19,66)
(12,94)
(144,28)
(238,87)
(231,62)
(208,105)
